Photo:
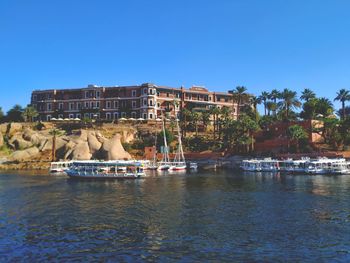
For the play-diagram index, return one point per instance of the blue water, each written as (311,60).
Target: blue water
(222,216)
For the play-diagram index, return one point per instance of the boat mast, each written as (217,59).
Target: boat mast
(180,149)
(165,154)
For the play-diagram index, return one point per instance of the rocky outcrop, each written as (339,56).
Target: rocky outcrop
(23,155)
(14,127)
(80,145)
(113,149)
(81,152)
(1,139)
(94,143)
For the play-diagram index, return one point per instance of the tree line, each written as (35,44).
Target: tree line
(19,114)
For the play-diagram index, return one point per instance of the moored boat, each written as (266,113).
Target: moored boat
(106,170)
(57,168)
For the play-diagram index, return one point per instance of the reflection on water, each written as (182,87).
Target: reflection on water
(189,217)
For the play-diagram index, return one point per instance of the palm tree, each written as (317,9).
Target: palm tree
(240,91)
(196,116)
(343,95)
(289,101)
(255,101)
(274,95)
(54,132)
(29,113)
(186,114)
(263,97)
(271,106)
(205,119)
(307,95)
(296,133)
(215,111)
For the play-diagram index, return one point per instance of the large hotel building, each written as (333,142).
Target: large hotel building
(146,101)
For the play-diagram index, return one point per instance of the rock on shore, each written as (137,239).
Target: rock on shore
(28,144)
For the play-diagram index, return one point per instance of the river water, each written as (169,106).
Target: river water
(216,216)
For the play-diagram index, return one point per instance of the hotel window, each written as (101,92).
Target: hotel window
(97,104)
(49,106)
(71,116)
(177,95)
(158,105)
(151,116)
(134,104)
(60,106)
(60,116)
(145,91)
(144,102)
(209,98)
(123,114)
(108,116)
(116,115)
(158,93)
(86,115)
(133,115)
(91,115)
(108,104)
(71,106)
(116,104)
(78,115)
(145,115)
(34,98)
(86,105)
(167,94)
(97,94)
(49,96)
(86,94)
(92,104)
(134,93)
(79,106)
(190,96)
(151,103)
(48,117)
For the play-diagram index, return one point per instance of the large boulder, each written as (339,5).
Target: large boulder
(3,128)
(14,127)
(81,151)
(94,143)
(113,149)
(24,155)
(1,139)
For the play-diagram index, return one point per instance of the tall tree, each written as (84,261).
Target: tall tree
(15,114)
(343,95)
(240,91)
(255,101)
(196,117)
(288,102)
(29,113)
(296,133)
(1,115)
(274,95)
(307,95)
(264,97)
(215,111)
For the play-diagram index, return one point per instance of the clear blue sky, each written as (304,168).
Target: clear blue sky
(219,44)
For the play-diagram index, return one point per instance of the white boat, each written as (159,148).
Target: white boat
(321,165)
(106,170)
(60,167)
(340,168)
(269,165)
(193,166)
(294,166)
(253,165)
